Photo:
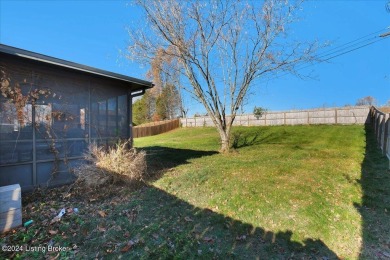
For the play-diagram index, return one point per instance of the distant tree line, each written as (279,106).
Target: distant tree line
(370,101)
(366,101)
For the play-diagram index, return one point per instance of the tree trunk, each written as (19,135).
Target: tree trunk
(225,140)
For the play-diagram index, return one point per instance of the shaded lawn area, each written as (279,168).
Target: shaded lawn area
(311,192)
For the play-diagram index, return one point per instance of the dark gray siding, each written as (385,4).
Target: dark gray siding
(41,142)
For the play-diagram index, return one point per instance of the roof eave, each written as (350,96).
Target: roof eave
(71,65)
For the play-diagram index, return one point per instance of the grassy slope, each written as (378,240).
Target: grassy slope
(302,180)
(303,192)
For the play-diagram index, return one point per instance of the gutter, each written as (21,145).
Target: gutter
(71,65)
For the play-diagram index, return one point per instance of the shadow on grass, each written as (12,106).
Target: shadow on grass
(242,139)
(375,208)
(260,136)
(163,226)
(153,224)
(168,227)
(160,159)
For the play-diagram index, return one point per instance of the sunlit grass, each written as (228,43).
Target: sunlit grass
(303,179)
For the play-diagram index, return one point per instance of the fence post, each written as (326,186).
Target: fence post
(373,116)
(378,127)
(385,133)
(382,131)
(377,119)
(335,116)
(387,145)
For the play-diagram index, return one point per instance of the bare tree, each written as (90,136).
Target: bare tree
(165,73)
(366,101)
(223,48)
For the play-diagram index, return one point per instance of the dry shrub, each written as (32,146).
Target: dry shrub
(117,164)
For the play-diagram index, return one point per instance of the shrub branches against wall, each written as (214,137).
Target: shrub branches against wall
(14,94)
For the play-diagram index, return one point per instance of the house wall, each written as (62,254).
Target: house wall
(41,142)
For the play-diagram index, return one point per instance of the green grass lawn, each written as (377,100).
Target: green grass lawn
(304,181)
(285,192)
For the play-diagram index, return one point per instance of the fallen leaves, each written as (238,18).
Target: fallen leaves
(125,248)
(65,215)
(208,239)
(54,220)
(53,232)
(102,229)
(241,238)
(102,213)
(131,214)
(188,219)
(128,246)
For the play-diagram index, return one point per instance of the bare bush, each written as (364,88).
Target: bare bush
(117,164)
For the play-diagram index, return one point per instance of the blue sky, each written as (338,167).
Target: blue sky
(94,33)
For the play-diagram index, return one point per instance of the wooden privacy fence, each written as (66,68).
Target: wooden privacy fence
(381,124)
(345,115)
(155,128)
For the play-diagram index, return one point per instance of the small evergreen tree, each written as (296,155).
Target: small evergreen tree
(143,109)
